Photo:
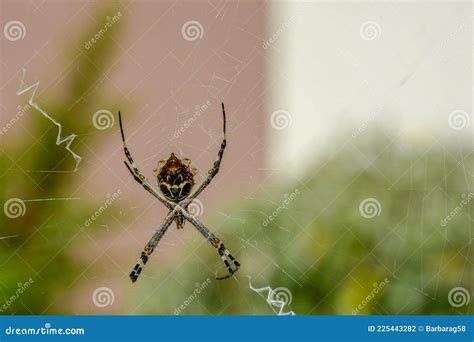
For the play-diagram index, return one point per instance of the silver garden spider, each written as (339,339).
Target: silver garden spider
(175,179)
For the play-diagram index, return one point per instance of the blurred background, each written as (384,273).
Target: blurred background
(347,183)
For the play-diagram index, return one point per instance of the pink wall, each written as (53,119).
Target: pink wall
(158,77)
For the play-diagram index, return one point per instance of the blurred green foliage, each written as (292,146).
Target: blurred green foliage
(331,258)
(39,246)
(319,246)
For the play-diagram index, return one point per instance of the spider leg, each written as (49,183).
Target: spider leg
(151,245)
(215,242)
(213,170)
(137,175)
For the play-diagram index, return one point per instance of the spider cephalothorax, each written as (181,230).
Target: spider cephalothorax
(175,177)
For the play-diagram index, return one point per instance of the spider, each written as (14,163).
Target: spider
(175,179)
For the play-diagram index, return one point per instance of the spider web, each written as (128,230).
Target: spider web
(313,231)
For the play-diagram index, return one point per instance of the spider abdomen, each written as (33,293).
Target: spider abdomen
(175,178)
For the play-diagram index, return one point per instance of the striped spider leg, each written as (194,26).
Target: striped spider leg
(212,171)
(175,180)
(139,177)
(215,242)
(151,245)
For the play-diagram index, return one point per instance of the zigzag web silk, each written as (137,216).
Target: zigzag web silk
(69,139)
(270,299)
